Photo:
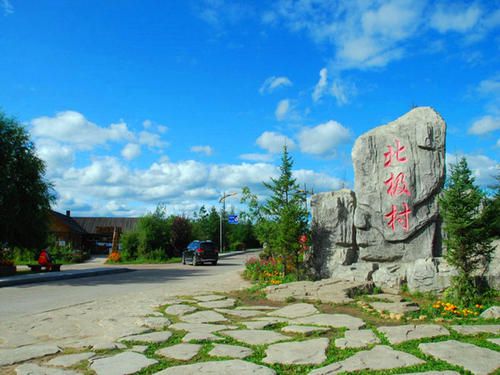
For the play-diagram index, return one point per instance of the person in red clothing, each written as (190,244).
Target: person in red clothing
(44,258)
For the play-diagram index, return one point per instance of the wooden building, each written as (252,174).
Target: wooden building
(94,234)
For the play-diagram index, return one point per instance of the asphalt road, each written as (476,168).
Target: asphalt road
(30,299)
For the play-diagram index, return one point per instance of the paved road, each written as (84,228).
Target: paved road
(170,278)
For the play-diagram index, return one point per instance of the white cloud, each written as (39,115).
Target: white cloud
(489,86)
(484,169)
(323,139)
(57,157)
(7,7)
(151,140)
(131,151)
(162,129)
(485,124)
(272,83)
(321,86)
(207,150)
(256,157)
(282,109)
(456,18)
(71,127)
(147,124)
(365,34)
(274,142)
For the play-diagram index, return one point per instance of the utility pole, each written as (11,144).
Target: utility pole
(222,215)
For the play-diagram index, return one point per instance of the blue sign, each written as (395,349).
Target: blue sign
(232,219)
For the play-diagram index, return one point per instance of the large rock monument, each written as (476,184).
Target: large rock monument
(391,219)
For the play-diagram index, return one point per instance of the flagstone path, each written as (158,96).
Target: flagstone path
(212,334)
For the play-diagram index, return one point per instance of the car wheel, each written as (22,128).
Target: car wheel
(194,261)
(214,263)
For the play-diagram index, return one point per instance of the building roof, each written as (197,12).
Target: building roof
(69,221)
(89,224)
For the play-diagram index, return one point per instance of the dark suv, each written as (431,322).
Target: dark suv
(198,252)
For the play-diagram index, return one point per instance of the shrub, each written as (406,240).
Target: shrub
(114,257)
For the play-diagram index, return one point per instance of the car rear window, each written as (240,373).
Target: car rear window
(207,246)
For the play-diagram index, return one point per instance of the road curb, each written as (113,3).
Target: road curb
(55,276)
(233,253)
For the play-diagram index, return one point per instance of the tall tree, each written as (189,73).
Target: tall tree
(25,194)
(286,214)
(180,234)
(468,246)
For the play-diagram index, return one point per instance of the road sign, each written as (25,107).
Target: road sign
(232,219)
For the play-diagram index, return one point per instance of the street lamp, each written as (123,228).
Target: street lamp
(222,214)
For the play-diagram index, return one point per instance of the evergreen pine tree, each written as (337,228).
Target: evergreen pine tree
(286,215)
(467,242)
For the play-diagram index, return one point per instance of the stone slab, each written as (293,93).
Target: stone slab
(203,317)
(70,359)
(121,364)
(34,369)
(139,348)
(385,297)
(399,334)
(232,351)
(181,352)
(152,338)
(179,310)
(200,327)
(331,320)
(256,307)
(477,329)
(155,322)
(241,313)
(471,357)
(309,352)
(234,366)
(495,341)
(263,322)
(296,310)
(200,336)
(381,357)
(395,307)
(229,302)
(25,353)
(357,339)
(492,313)
(209,297)
(255,336)
(303,330)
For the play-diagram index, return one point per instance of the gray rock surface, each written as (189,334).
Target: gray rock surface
(70,359)
(181,352)
(476,329)
(429,275)
(333,239)
(209,297)
(493,273)
(303,330)
(357,339)
(121,364)
(332,320)
(399,334)
(495,341)
(155,322)
(179,309)
(25,353)
(492,313)
(255,336)
(200,336)
(395,307)
(381,357)
(412,146)
(206,316)
(390,277)
(296,310)
(258,307)
(328,290)
(234,366)
(229,302)
(139,348)
(471,357)
(232,351)
(241,313)
(200,327)
(34,369)
(297,353)
(264,322)
(153,337)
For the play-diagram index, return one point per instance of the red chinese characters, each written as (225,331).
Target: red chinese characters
(397,186)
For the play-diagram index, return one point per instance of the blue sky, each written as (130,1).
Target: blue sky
(132,103)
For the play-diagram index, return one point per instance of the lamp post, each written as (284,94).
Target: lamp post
(222,214)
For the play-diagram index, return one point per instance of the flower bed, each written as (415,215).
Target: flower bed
(266,271)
